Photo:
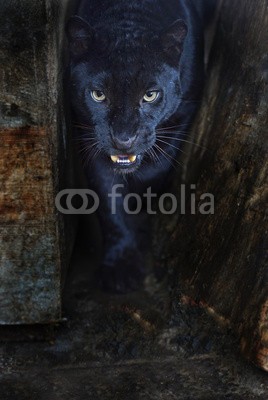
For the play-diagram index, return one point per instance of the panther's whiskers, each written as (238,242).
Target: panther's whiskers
(171,145)
(167,156)
(181,140)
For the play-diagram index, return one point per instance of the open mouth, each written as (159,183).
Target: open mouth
(125,161)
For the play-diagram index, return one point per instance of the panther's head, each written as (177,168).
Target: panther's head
(123,86)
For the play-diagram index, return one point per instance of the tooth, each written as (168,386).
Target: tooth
(115,158)
(132,158)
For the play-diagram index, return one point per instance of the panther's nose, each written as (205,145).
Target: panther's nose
(124,143)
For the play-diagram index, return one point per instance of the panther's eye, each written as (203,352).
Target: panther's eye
(98,95)
(150,96)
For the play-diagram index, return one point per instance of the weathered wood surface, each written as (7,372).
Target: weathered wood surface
(222,258)
(31,137)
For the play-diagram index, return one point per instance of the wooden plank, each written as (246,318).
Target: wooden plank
(222,258)
(25,176)
(33,158)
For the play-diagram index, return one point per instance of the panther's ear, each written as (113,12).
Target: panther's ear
(79,34)
(173,38)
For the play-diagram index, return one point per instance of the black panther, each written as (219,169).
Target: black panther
(134,81)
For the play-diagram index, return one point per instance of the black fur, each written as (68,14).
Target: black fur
(124,49)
